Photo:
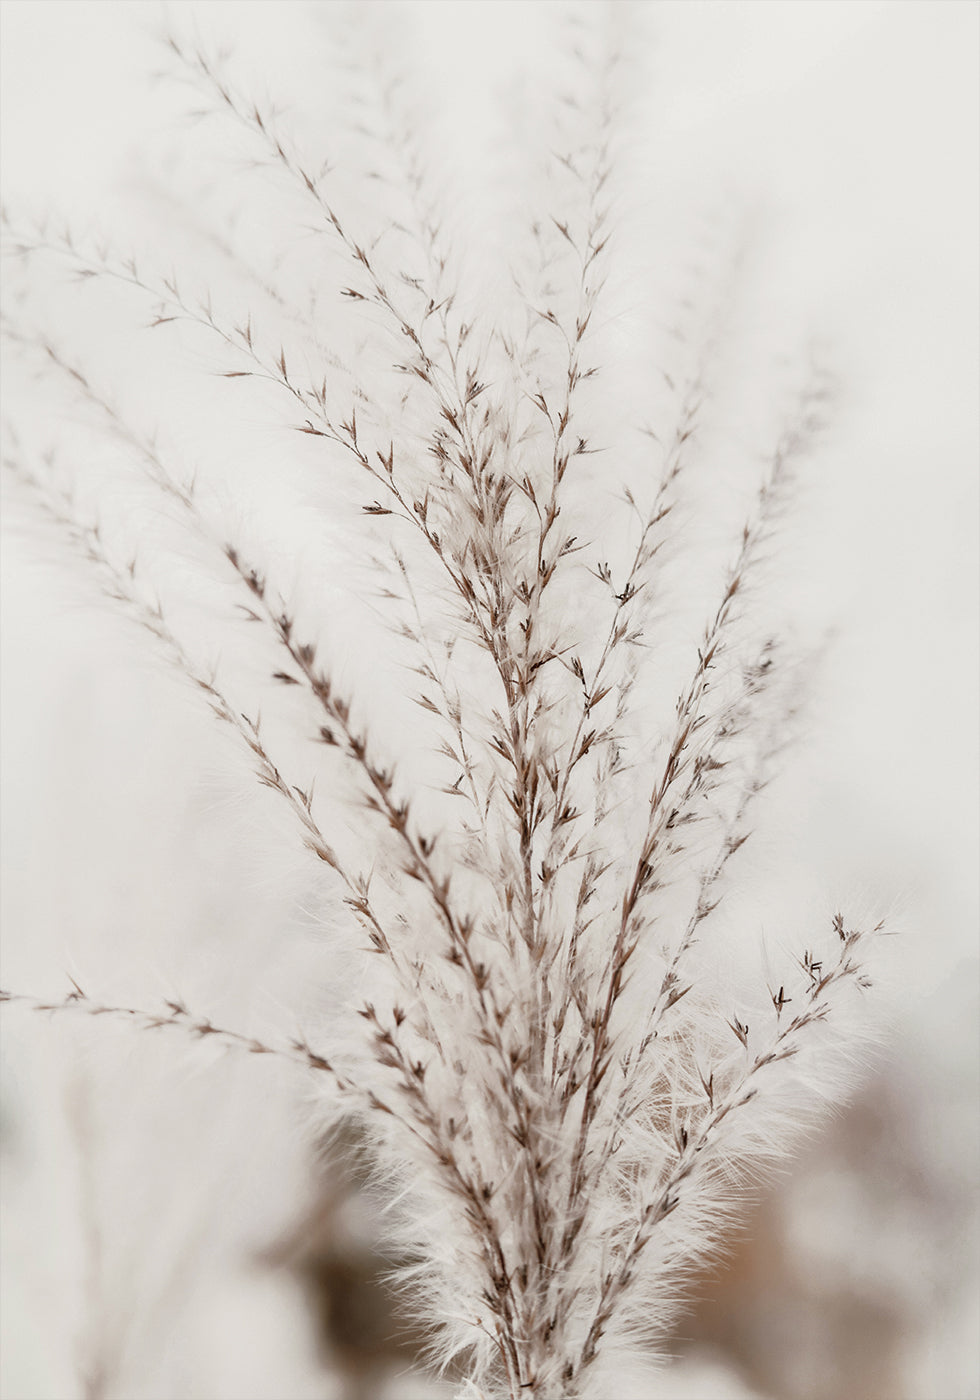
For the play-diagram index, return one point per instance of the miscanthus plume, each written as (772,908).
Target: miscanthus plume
(565,1075)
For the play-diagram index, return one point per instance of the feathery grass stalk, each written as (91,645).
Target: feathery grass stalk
(576,1118)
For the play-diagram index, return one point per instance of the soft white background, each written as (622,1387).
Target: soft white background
(856,124)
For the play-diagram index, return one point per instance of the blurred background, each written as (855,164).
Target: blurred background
(173,1225)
